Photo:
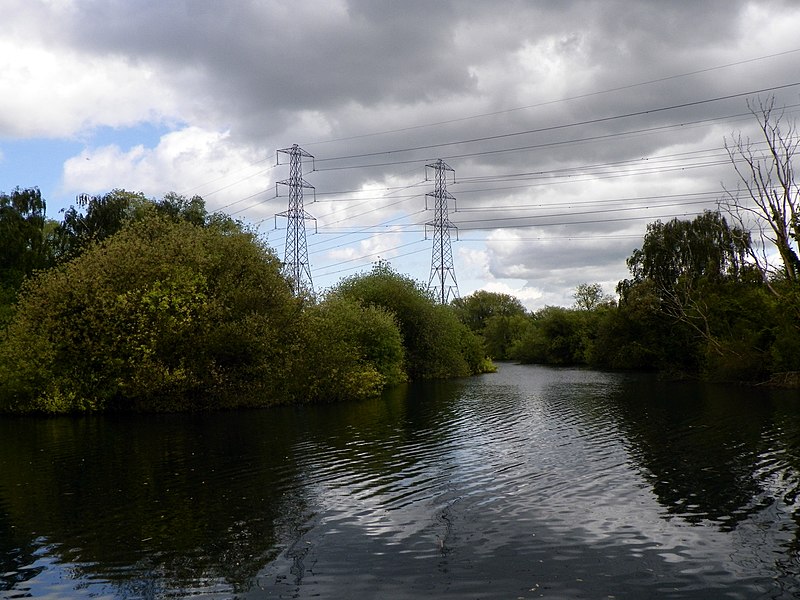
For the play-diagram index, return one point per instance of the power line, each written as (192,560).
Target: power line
(566,125)
(584,212)
(420,227)
(543,145)
(403,198)
(325,272)
(377,254)
(571,203)
(230,185)
(366,229)
(549,102)
(555,237)
(586,222)
(658,164)
(506,150)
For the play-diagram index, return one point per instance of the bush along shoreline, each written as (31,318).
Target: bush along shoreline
(133,304)
(186,311)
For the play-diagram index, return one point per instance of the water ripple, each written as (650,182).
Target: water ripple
(526,483)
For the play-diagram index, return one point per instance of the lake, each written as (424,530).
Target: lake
(527,483)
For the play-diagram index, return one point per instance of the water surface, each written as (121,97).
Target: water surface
(527,483)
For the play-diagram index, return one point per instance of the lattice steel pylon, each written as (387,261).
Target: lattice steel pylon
(295,258)
(442,281)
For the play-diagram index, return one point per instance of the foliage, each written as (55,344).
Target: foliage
(346,351)
(157,305)
(679,313)
(179,208)
(785,347)
(683,252)
(556,336)
(589,296)
(477,308)
(8,296)
(25,243)
(198,317)
(23,228)
(630,336)
(96,218)
(436,344)
(501,332)
(168,315)
(495,317)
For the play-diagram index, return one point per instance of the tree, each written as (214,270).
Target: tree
(768,196)
(501,332)
(22,236)
(25,243)
(697,275)
(96,218)
(436,344)
(679,253)
(162,315)
(346,351)
(589,296)
(556,336)
(633,335)
(181,208)
(497,318)
(474,310)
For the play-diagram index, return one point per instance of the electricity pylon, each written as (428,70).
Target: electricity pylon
(295,258)
(442,281)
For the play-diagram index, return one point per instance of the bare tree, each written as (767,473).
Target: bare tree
(767,198)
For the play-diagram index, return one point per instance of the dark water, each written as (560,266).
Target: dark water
(527,483)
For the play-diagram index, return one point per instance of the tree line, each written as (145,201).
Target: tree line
(693,307)
(716,297)
(131,303)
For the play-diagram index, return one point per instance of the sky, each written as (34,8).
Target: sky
(568,126)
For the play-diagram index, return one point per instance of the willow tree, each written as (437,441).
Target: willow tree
(678,253)
(686,264)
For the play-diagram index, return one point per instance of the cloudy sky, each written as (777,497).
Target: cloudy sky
(568,125)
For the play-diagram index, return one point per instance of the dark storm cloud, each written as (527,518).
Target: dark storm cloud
(286,56)
(257,65)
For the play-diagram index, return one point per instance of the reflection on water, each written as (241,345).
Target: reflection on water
(527,483)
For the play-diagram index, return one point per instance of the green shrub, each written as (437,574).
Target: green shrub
(346,351)
(557,336)
(436,344)
(163,315)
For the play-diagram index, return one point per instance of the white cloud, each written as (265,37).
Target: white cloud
(375,247)
(63,93)
(526,294)
(189,161)
(474,273)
